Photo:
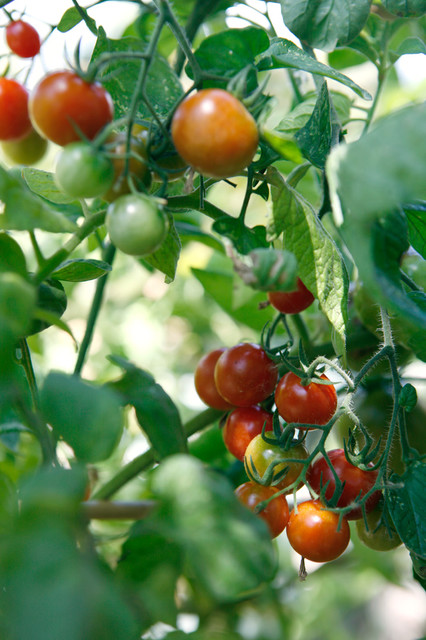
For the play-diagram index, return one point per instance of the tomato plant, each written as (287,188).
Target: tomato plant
(205,383)
(242,425)
(136,224)
(275,514)
(27,151)
(261,453)
(23,39)
(130,167)
(314,532)
(355,482)
(14,119)
(312,403)
(291,301)
(82,171)
(64,107)
(214,133)
(245,375)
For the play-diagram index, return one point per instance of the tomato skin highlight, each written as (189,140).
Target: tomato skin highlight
(312,532)
(309,404)
(245,375)
(22,39)
(62,104)
(214,133)
(15,121)
(27,150)
(242,425)
(291,301)
(205,384)
(276,514)
(356,482)
(259,455)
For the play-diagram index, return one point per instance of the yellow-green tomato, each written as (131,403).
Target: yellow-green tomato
(260,454)
(26,151)
(377,537)
(82,171)
(136,224)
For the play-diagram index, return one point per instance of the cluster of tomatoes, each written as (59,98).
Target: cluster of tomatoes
(244,382)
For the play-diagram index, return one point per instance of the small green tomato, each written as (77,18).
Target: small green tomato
(83,172)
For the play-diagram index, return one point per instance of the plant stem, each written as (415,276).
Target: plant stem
(381,77)
(94,311)
(147,459)
(105,510)
(62,254)
(29,371)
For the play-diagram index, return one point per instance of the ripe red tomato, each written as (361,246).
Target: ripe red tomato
(245,375)
(276,514)
(291,301)
(310,404)
(214,133)
(259,455)
(63,107)
(205,384)
(27,151)
(22,39)
(313,533)
(242,425)
(356,482)
(15,122)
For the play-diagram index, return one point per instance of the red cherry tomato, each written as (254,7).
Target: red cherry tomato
(356,482)
(15,122)
(276,514)
(260,454)
(22,39)
(310,404)
(205,384)
(64,107)
(313,532)
(245,375)
(291,301)
(242,425)
(214,133)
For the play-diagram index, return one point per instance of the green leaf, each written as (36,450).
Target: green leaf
(406,8)
(238,49)
(320,265)
(225,547)
(299,116)
(315,138)
(416,219)
(120,78)
(69,19)
(17,303)
(12,257)
(43,184)
(240,302)
(243,238)
(155,411)
(412,45)
(166,258)
(283,144)
(81,270)
(189,232)
(151,565)
(369,179)
(87,417)
(405,496)
(8,503)
(323,24)
(285,54)
(51,298)
(419,569)
(24,211)
(76,595)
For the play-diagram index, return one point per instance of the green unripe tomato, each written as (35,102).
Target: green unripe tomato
(26,151)
(377,537)
(136,224)
(83,172)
